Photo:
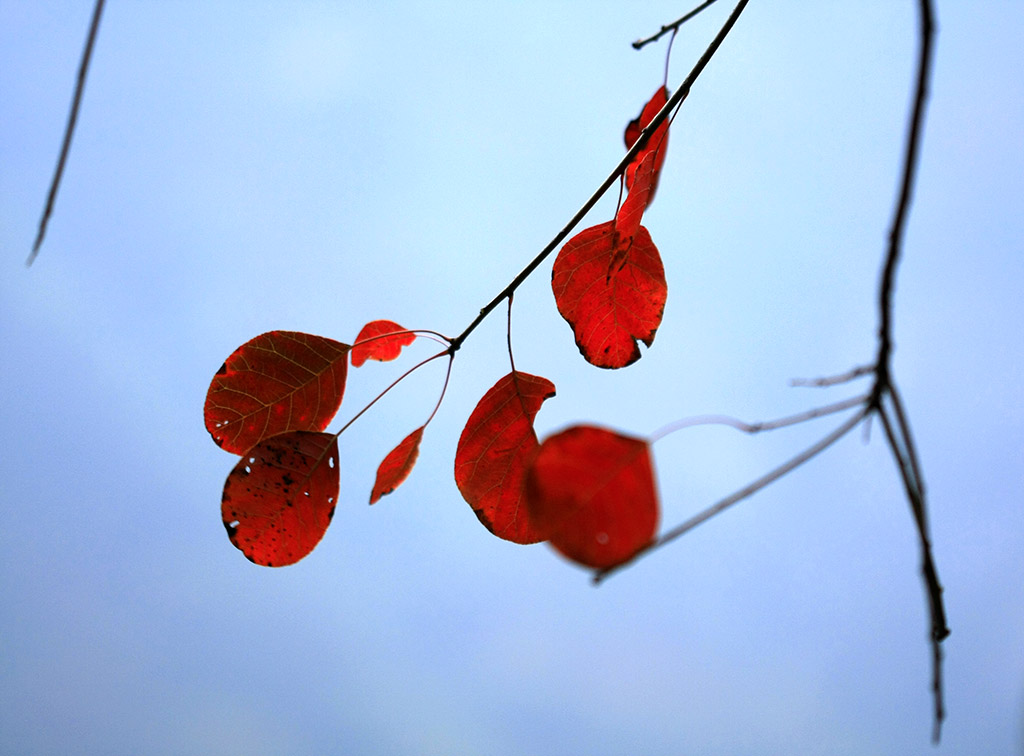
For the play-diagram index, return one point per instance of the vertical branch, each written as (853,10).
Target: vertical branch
(69,130)
(885,289)
(898,434)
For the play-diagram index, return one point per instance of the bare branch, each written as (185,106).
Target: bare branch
(915,495)
(83,70)
(896,231)
(835,380)
(898,434)
(673,27)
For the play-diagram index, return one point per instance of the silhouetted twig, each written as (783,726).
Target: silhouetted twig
(674,26)
(83,70)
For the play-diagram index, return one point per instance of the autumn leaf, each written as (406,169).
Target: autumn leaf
(383,348)
(611,289)
(627,220)
(280,498)
(657,144)
(279,381)
(397,465)
(494,449)
(592,491)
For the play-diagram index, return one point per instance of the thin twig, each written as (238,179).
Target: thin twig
(743,493)
(767,425)
(835,380)
(83,70)
(641,142)
(674,26)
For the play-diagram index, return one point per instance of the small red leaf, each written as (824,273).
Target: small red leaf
(658,143)
(279,381)
(612,291)
(592,490)
(279,499)
(383,348)
(494,449)
(397,465)
(627,221)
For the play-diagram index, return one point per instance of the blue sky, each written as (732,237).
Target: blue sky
(243,167)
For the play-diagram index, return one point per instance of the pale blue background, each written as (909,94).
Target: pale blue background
(246,166)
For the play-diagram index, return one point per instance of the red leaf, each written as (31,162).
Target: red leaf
(627,221)
(279,499)
(397,465)
(381,349)
(592,490)
(279,381)
(658,143)
(612,291)
(494,449)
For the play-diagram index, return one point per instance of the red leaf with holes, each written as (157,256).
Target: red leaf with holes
(592,491)
(279,381)
(385,347)
(280,498)
(611,289)
(397,465)
(495,447)
(657,144)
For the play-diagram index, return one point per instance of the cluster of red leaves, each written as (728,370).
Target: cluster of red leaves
(587,491)
(269,403)
(608,280)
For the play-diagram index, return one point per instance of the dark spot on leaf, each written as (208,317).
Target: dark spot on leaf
(223,369)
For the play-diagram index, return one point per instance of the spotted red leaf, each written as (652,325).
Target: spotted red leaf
(592,491)
(279,381)
(494,450)
(611,289)
(279,499)
(397,465)
(657,144)
(380,346)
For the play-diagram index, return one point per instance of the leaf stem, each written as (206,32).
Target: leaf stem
(394,383)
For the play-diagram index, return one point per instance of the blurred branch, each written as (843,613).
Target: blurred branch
(69,130)
(898,434)
(749,490)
